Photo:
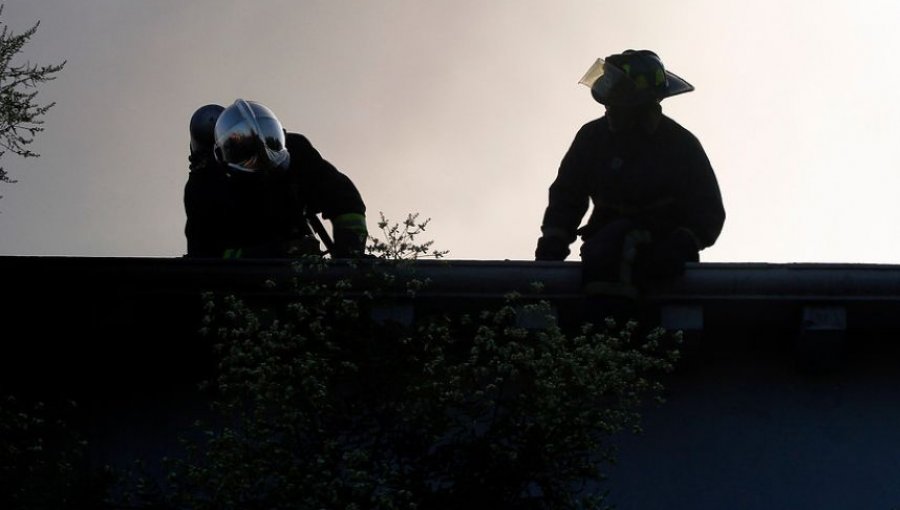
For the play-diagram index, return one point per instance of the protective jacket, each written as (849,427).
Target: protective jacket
(660,181)
(236,214)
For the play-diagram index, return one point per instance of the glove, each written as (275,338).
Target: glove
(301,246)
(551,248)
(348,244)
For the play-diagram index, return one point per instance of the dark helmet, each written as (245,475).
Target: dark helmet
(249,138)
(632,77)
(203,125)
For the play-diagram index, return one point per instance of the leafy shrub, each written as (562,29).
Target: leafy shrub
(42,458)
(321,406)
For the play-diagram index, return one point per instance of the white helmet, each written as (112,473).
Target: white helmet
(249,138)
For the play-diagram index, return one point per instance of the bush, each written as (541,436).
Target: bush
(321,406)
(42,459)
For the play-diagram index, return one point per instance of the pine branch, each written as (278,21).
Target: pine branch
(21,115)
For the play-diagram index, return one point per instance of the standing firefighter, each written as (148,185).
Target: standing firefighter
(656,199)
(254,189)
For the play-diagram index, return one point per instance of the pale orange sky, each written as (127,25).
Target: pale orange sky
(461,110)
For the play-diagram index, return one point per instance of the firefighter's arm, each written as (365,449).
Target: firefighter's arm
(350,234)
(703,211)
(330,192)
(568,201)
(203,227)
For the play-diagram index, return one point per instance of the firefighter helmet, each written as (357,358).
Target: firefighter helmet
(203,125)
(632,77)
(249,138)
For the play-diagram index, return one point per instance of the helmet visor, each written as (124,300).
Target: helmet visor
(250,141)
(610,85)
(593,73)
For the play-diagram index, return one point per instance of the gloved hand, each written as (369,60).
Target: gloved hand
(551,248)
(302,246)
(348,244)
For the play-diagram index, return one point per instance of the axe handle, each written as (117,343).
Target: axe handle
(320,231)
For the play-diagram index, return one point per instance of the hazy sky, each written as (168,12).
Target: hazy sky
(461,110)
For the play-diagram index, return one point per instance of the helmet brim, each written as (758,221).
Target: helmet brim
(675,85)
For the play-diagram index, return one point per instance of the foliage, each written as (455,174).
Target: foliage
(321,406)
(400,240)
(20,113)
(42,458)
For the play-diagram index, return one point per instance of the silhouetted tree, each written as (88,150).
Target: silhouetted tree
(20,113)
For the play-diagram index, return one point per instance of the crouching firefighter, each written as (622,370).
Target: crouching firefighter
(254,190)
(656,199)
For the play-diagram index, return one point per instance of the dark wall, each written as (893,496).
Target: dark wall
(756,429)
(764,411)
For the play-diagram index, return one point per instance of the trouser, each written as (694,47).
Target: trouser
(620,257)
